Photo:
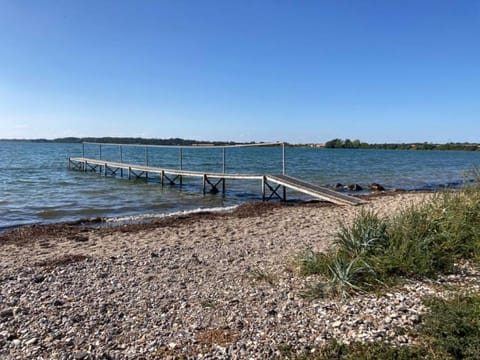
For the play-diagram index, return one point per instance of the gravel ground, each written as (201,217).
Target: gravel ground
(200,287)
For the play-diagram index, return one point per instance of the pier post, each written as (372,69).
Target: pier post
(181,165)
(121,160)
(284,170)
(105,170)
(204,183)
(146,161)
(162,177)
(263,187)
(129,172)
(83,150)
(223,160)
(69,164)
(100,151)
(223,168)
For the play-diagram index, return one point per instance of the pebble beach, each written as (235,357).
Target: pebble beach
(198,286)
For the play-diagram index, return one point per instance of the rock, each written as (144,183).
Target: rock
(32,341)
(376,187)
(16,342)
(6,313)
(58,302)
(338,186)
(38,279)
(354,187)
(12,336)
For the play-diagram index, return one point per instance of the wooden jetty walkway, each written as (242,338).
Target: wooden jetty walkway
(273,186)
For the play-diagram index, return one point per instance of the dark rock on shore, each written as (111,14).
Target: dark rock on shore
(376,187)
(354,187)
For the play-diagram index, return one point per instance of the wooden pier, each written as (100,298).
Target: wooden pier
(273,186)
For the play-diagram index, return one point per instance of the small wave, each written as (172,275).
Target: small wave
(144,217)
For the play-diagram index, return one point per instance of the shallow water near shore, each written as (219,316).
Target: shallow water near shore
(37,187)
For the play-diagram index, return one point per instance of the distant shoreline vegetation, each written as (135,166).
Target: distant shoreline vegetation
(128,140)
(331,144)
(357,144)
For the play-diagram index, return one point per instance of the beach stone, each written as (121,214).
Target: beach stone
(354,187)
(376,187)
(37,279)
(6,313)
(31,341)
(16,342)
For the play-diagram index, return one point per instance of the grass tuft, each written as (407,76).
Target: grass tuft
(420,241)
(366,235)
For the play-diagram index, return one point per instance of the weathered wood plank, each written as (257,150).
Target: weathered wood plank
(314,190)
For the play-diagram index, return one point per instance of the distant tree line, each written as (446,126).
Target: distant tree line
(131,140)
(332,144)
(357,144)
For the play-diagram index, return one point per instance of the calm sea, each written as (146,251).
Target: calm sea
(37,187)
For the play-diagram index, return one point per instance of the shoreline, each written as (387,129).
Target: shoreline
(153,217)
(202,286)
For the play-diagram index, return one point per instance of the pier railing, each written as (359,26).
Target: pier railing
(122,146)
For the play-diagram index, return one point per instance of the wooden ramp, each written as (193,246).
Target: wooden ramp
(316,191)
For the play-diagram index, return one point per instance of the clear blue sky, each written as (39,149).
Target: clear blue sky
(297,71)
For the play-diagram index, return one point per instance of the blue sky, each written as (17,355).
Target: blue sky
(297,71)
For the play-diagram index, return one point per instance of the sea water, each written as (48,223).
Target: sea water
(36,185)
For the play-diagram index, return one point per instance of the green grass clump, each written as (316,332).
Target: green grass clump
(453,326)
(334,350)
(366,236)
(421,241)
(369,351)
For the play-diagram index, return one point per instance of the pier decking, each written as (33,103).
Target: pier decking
(273,186)
(314,190)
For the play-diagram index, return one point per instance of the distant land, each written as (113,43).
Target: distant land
(331,144)
(127,140)
(357,144)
